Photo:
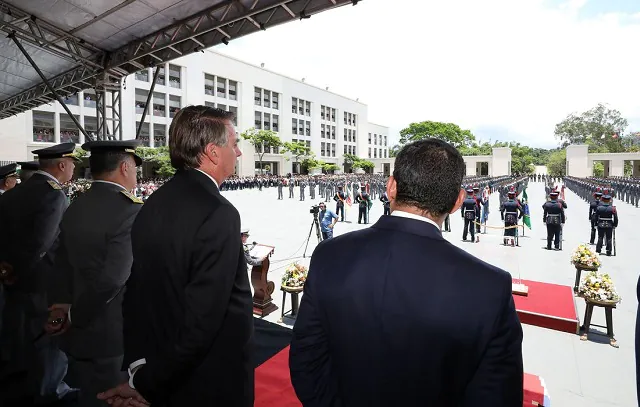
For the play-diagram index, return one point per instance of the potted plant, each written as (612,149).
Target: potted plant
(599,288)
(294,277)
(585,258)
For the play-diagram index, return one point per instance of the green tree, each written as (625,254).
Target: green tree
(598,169)
(589,128)
(394,150)
(366,165)
(557,165)
(262,140)
(297,150)
(311,162)
(328,167)
(160,159)
(449,132)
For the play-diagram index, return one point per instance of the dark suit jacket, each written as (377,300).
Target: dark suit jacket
(395,315)
(93,262)
(188,307)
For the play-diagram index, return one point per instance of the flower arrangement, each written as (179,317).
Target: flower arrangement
(598,287)
(294,276)
(584,256)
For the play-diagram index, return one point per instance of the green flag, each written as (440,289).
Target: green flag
(527,218)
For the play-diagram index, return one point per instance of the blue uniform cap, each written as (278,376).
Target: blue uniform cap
(7,171)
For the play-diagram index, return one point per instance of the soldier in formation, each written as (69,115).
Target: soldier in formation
(340,198)
(554,218)
(468,212)
(606,217)
(592,212)
(510,212)
(364,203)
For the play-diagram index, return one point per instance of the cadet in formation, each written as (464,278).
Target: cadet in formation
(280,185)
(510,212)
(592,212)
(606,218)
(364,203)
(469,215)
(92,265)
(554,218)
(340,197)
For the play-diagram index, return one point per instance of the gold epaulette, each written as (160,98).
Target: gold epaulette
(54,185)
(133,198)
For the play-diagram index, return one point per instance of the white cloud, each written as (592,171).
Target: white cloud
(515,65)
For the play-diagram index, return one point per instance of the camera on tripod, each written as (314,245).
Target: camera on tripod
(315,209)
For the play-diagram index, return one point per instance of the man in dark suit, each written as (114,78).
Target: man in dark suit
(188,322)
(92,265)
(29,219)
(395,315)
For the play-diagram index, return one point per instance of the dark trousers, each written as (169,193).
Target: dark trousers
(478,223)
(93,376)
(593,232)
(553,233)
(362,213)
(291,193)
(327,235)
(602,234)
(340,211)
(469,227)
(387,210)
(511,231)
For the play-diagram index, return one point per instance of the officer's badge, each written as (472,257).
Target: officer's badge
(133,198)
(54,185)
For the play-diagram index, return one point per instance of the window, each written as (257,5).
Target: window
(385,153)
(369,152)
(267,98)
(369,138)
(222,107)
(258,120)
(322,130)
(333,150)
(345,134)
(274,122)
(308,129)
(141,100)
(233,90)
(174,105)
(322,112)
(44,127)
(257,96)
(90,98)
(159,135)
(69,132)
(380,153)
(333,115)
(274,100)
(333,132)
(143,75)
(71,100)
(91,125)
(308,144)
(375,139)
(174,76)
(210,104)
(375,153)
(385,141)
(301,107)
(353,119)
(221,87)
(160,80)
(322,151)
(209,84)
(345,117)
(301,127)
(354,136)
(308,109)
(345,149)
(158,104)
(349,134)
(144,133)
(267,121)
(234,110)
(294,105)
(294,126)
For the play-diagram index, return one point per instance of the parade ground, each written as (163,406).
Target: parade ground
(576,373)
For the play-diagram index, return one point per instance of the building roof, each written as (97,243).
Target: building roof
(80,44)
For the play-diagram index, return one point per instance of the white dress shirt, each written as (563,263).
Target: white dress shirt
(404,214)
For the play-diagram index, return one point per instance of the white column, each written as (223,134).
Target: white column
(616,167)
(578,161)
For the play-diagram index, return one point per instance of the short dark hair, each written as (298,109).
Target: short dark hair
(428,174)
(105,162)
(192,128)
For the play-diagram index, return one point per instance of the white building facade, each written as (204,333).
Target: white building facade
(330,124)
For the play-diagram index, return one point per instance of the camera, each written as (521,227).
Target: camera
(315,209)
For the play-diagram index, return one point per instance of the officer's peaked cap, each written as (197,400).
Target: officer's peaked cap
(8,171)
(57,151)
(29,165)
(106,146)
(606,196)
(244,231)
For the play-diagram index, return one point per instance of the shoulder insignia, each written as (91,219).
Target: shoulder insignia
(54,185)
(133,198)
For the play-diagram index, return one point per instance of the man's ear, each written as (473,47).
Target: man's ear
(392,188)
(459,201)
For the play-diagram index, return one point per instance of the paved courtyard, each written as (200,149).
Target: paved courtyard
(589,374)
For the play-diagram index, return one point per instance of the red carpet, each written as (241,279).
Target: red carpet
(549,306)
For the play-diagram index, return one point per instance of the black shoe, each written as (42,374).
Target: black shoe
(608,253)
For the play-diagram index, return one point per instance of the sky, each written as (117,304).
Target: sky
(508,70)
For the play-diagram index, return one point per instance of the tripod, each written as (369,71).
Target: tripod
(315,223)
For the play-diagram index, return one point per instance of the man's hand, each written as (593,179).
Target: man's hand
(58,321)
(123,396)
(331,226)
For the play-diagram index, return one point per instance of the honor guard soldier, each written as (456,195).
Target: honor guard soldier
(510,212)
(312,189)
(340,197)
(606,217)
(592,211)
(469,215)
(554,218)
(252,261)
(386,203)
(27,169)
(478,198)
(364,203)
(8,177)
(280,185)
(291,185)
(29,219)
(303,185)
(92,264)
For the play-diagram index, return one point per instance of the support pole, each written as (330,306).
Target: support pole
(46,82)
(149,96)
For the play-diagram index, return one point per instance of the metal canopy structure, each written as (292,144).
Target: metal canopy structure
(53,49)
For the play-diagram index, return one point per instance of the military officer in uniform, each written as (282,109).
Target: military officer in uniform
(510,212)
(280,184)
(27,169)
(8,177)
(478,198)
(252,261)
(340,197)
(606,218)
(312,189)
(364,202)
(303,185)
(92,264)
(291,185)
(554,218)
(592,210)
(386,203)
(29,219)
(468,212)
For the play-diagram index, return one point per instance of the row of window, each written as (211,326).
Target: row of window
(327,149)
(44,127)
(301,127)
(300,107)
(350,119)
(350,135)
(175,76)
(305,142)
(220,87)
(266,98)
(232,109)
(350,150)
(328,131)
(159,134)
(158,103)
(378,139)
(377,153)
(267,121)
(327,113)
